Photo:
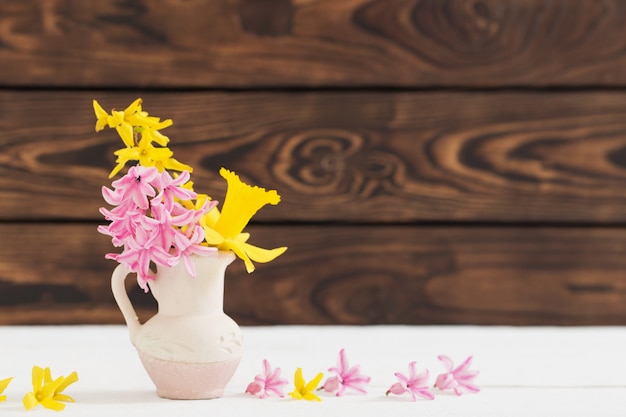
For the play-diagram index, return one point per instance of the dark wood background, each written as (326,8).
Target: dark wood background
(440,161)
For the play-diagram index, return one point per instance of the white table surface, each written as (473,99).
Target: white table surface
(525,371)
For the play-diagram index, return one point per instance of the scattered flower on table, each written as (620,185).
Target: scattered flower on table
(267,382)
(346,377)
(458,379)
(306,391)
(415,384)
(48,391)
(3,385)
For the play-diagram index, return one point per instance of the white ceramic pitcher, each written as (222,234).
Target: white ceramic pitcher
(190,348)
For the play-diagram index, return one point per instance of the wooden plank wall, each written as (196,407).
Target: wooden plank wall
(440,161)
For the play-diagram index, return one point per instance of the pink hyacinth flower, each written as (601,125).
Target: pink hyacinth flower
(267,382)
(458,379)
(172,189)
(345,377)
(416,384)
(136,185)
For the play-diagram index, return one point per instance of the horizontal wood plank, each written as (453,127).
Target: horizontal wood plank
(312,43)
(56,273)
(367,157)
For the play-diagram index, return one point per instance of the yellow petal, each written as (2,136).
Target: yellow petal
(239,251)
(29,401)
(295,395)
(298,380)
(312,385)
(133,108)
(3,398)
(211,218)
(101,116)
(52,405)
(262,255)
(160,138)
(48,389)
(37,378)
(125,131)
(68,380)
(212,237)
(309,396)
(5,383)
(47,376)
(241,203)
(117,169)
(158,154)
(63,397)
(173,164)
(242,237)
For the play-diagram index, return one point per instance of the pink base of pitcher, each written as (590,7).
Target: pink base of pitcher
(189,381)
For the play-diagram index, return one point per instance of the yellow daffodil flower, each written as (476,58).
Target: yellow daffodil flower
(305,391)
(47,391)
(225,230)
(3,385)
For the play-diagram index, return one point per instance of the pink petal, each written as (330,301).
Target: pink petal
(447,362)
(469,387)
(331,384)
(276,390)
(463,367)
(424,393)
(444,381)
(468,375)
(412,371)
(342,361)
(350,372)
(356,387)
(254,388)
(397,389)
(402,377)
(266,367)
(420,379)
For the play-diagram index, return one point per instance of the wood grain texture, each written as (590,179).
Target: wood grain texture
(359,156)
(56,273)
(254,43)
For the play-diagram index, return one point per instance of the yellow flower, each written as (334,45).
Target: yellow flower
(132,119)
(47,391)
(225,230)
(138,131)
(305,392)
(3,385)
(148,156)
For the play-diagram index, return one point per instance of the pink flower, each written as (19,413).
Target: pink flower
(185,246)
(139,250)
(136,185)
(161,224)
(172,189)
(417,385)
(267,382)
(457,379)
(346,377)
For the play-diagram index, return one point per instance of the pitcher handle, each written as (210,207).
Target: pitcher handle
(123,302)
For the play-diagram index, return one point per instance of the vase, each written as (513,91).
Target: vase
(189,348)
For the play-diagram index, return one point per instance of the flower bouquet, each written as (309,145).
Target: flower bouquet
(179,243)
